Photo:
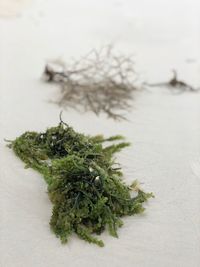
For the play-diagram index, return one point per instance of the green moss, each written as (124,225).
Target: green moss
(86,190)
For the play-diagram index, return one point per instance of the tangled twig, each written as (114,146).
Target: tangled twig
(99,82)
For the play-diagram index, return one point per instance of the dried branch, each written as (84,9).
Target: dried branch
(100,82)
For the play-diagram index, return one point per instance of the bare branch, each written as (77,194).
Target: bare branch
(99,82)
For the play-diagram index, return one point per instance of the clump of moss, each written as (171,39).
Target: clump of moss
(84,184)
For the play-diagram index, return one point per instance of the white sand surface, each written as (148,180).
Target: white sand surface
(164,129)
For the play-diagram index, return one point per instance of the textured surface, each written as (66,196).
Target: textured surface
(164,130)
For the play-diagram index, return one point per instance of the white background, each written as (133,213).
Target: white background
(164,128)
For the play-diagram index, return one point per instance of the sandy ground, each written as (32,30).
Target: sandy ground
(164,128)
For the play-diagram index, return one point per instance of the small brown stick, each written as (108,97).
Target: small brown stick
(174,83)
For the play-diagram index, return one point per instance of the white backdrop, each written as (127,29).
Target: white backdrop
(164,128)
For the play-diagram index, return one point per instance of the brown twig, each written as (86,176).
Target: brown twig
(174,83)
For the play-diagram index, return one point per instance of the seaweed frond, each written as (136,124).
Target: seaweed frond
(85,188)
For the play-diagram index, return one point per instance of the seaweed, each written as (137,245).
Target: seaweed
(84,182)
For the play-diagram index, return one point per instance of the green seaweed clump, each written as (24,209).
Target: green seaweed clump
(84,183)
